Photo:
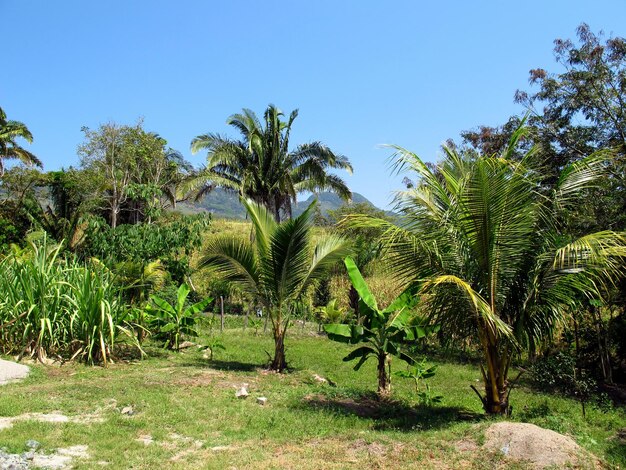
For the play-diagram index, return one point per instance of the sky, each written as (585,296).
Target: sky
(362,73)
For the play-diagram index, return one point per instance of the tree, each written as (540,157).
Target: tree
(261,166)
(484,238)
(276,269)
(583,109)
(18,203)
(134,170)
(382,332)
(10,131)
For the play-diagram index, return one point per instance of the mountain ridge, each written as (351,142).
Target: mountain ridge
(223,204)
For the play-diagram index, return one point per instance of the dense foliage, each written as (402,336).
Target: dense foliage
(56,306)
(484,238)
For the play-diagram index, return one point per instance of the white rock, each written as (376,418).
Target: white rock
(10,371)
(242,393)
(128,410)
(261,400)
(320,379)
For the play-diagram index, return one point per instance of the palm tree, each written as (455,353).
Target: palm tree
(261,167)
(483,238)
(276,269)
(9,148)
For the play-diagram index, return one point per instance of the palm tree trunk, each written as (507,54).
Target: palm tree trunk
(384,376)
(279,363)
(496,401)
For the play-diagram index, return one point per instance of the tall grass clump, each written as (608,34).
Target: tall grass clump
(51,305)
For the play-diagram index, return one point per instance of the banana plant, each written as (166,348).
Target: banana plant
(419,372)
(382,332)
(173,321)
(330,313)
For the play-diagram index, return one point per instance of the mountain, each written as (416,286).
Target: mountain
(226,205)
(328,202)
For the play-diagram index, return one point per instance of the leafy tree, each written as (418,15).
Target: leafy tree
(276,268)
(166,240)
(484,238)
(261,166)
(18,203)
(10,131)
(134,170)
(580,110)
(382,331)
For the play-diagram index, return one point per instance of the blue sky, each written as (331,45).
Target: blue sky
(362,73)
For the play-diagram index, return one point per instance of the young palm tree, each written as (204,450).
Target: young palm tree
(9,148)
(275,269)
(261,167)
(482,237)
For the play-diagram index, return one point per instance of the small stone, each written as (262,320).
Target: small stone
(320,379)
(30,455)
(47,361)
(242,393)
(145,439)
(33,444)
(186,344)
(220,448)
(261,400)
(128,410)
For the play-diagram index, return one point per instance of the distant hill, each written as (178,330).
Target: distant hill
(328,202)
(226,205)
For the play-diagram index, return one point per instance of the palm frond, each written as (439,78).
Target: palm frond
(235,261)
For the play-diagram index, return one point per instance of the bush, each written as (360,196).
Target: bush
(58,306)
(557,373)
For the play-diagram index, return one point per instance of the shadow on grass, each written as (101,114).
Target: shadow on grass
(233,366)
(391,414)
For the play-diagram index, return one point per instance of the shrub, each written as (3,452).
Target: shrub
(52,305)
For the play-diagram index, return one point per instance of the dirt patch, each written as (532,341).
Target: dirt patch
(342,454)
(202,379)
(539,447)
(145,439)
(466,445)
(54,417)
(61,458)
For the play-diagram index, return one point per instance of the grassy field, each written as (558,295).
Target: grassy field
(185,414)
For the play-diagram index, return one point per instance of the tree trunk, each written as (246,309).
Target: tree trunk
(603,350)
(353,301)
(113,217)
(279,363)
(221,313)
(384,375)
(496,400)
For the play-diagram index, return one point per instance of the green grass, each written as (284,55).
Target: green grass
(304,424)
